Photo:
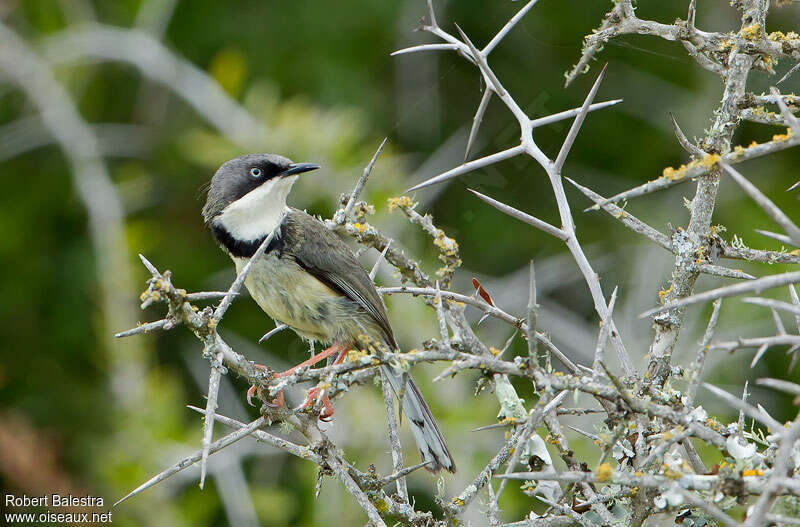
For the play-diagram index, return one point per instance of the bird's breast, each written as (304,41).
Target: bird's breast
(291,295)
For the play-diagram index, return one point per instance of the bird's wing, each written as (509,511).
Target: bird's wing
(320,252)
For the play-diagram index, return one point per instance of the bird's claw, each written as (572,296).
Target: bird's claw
(277,402)
(326,414)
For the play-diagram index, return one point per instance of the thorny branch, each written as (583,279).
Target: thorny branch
(648,464)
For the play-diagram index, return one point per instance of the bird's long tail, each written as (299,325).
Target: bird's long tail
(424,427)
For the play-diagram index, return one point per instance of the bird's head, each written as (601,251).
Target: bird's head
(248,192)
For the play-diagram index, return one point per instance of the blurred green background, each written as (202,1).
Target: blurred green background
(82,413)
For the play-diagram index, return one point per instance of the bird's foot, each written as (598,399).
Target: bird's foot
(277,402)
(311,401)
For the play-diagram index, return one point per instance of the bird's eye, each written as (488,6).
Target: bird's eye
(255,172)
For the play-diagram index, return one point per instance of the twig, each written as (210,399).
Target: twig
(394,438)
(569,114)
(576,124)
(478,119)
(757,285)
(788,116)
(269,334)
(469,167)
(374,271)
(766,204)
(211,410)
(351,201)
(530,333)
(702,352)
(526,218)
(194,458)
(240,278)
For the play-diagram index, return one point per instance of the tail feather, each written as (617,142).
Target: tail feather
(424,427)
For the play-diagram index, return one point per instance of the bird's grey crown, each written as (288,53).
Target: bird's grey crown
(232,180)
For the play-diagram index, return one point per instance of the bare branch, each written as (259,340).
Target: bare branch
(626,218)
(194,458)
(700,360)
(425,47)
(569,114)
(788,116)
(269,334)
(576,124)
(351,201)
(533,355)
(508,27)
(766,204)
(470,166)
(211,410)
(757,285)
(682,139)
(751,411)
(480,60)
(394,438)
(478,119)
(526,218)
(374,271)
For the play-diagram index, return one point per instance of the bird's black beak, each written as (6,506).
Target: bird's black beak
(298,168)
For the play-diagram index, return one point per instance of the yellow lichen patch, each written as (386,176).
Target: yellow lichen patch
(510,420)
(752,472)
(701,254)
(713,424)
(604,472)
(494,351)
(708,160)
(354,355)
(783,137)
(360,227)
(738,150)
(673,174)
(401,202)
(445,243)
(750,32)
(664,292)
(458,501)
(779,36)
(753,144)
(769,63)
(666,436)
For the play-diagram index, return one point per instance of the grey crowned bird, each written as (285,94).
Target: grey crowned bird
(308,279)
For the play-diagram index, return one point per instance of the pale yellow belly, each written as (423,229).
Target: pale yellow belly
(289,294)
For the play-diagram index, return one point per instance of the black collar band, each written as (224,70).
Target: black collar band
(243,248)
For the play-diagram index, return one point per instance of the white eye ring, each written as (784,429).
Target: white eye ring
(255,172)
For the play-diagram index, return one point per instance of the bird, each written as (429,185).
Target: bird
(309,280)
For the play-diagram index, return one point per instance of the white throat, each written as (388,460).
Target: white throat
(259,212)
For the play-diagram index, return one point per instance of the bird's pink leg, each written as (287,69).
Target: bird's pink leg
(279,399)
(327,407)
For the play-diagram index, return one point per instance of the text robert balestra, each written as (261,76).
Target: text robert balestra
(53,500)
